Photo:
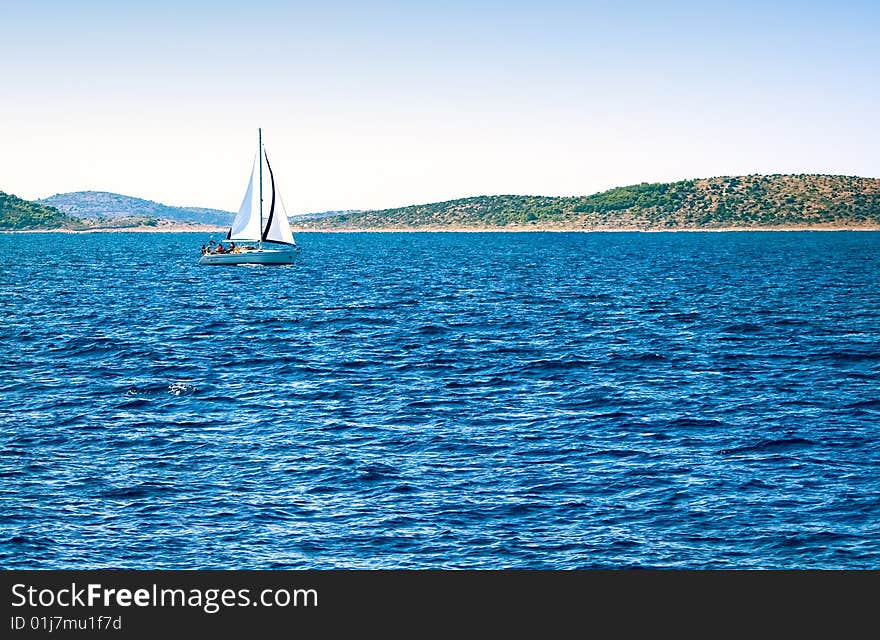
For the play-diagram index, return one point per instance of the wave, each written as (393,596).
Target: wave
(770,445)
(454,400)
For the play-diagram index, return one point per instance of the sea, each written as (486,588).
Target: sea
(442,401)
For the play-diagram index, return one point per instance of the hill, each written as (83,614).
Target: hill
(746,202)
(294,219)
(113,206)
(18,214)
(740,202)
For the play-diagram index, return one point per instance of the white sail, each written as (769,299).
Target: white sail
(246,225)
(277,224)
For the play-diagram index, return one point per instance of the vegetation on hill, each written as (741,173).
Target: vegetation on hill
(754,201)
(17,214)
(742,202)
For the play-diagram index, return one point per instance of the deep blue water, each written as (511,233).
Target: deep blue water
(605,400)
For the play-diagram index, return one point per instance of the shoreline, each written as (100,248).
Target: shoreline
(456,229)
(173,228)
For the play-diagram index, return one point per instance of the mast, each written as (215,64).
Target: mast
(260,152)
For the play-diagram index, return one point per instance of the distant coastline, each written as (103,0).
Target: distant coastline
(171,228)
(802,202)
(162,227)
(455,229)
(753,202)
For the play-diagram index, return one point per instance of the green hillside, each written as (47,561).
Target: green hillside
(18,214)
(754,201)
(743,202)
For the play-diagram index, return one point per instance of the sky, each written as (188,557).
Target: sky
(369,105)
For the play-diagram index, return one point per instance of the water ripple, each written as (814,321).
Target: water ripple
(442,401)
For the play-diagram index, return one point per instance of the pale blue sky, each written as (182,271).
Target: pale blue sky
(370,105)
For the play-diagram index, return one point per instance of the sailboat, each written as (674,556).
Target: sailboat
(254,238)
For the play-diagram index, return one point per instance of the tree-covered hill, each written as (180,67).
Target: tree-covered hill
(742,202)
(17,214)
(748,202)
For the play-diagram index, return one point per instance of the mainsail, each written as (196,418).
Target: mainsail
(277,226)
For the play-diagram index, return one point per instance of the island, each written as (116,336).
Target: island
(749,202)
(720,203)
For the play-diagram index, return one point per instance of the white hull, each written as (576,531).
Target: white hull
(286,255)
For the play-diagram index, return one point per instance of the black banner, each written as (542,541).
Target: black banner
(169,604)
